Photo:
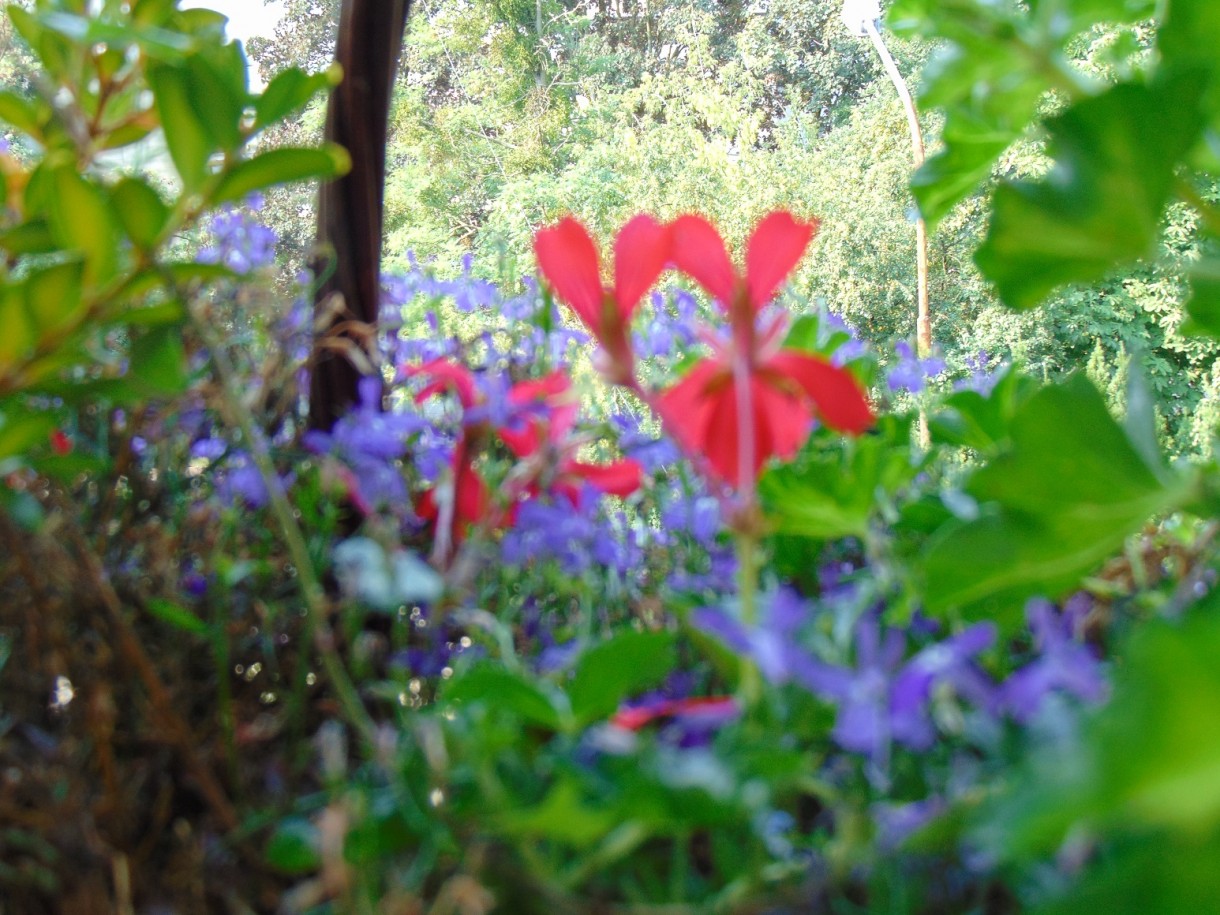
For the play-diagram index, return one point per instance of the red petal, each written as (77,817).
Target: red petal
(471,499)
(781,423)
(641,252)
(620,478)
(699,252)
(835,393)
(686,406)
(523,442)
(444,374)
(567,258)
(721,445)
(774,250)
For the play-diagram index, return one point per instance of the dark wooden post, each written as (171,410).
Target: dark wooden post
(350,209)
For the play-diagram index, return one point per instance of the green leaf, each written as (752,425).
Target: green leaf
(20,430)
(21,113)
(189,140)
(53,297)
(1101,205)
(178,617)
(158,363)
(1203,307)
(295,847)
(833,491)
(19,334)
(141,212)
(215,86)
(280,166)
(33,237)
(496,686)
(291,90)
(81,219)
(610,672)
(561,817)
(1061,499)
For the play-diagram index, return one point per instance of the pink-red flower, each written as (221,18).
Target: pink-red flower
(568,260)
(547,439)
(752,400)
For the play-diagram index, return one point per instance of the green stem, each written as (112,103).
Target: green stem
(314,635)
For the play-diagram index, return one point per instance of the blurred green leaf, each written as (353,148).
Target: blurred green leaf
(1101,205)
(21,430)
(19,335)
(140,210)
(1063,497)
(177,616)
(617,668)
(158,363)
(53,297)
(502,688)
(33,237)
(186,135)
(833,491)
(21,113)
(81,219)
(561,817)
(972,420)
(280,166)
(294,847)
(289,91)
(1203,307)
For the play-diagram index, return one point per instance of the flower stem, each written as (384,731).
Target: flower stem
(314,635)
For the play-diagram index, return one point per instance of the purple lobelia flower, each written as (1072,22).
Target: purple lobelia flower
(242,243)
(884,700)
(1064,664)
(981,378)
(849,348)
(771,643)
(911,373)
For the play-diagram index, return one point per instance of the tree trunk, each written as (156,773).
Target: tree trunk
(350,209)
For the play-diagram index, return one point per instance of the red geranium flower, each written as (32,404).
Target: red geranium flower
(568,260)
(751,400)
(469,500)
(548,437)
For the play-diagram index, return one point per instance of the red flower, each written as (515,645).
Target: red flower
(568,260)
(635,718)
(61,444)
(751,400)
(469,500)
(549,438)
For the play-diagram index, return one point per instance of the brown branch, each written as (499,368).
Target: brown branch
(350,210)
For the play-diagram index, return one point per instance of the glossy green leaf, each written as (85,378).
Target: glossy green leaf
(618,668)
(1062,498)
(81,219)
(970,419)
(140,210)
(1101,205)
(499,687)
(53,296)
(291,90)
(280,166)
(186,135)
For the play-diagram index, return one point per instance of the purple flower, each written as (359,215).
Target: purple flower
(242,243)
(911,373)
(771,643)
(849,348)
(896,823)
(577,537)
(884,700)
(239,480)
(653,453)
(981,379)
(1064,665)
